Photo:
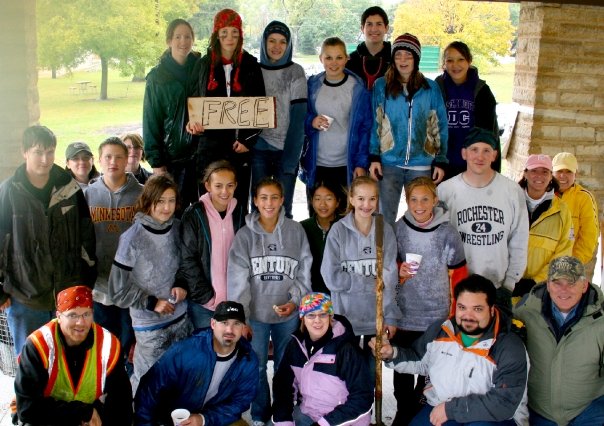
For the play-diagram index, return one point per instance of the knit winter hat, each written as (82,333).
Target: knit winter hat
(313,302)
(227,18)
(276,27)
(279,28)
(409,43)
(78,296)
(477,134)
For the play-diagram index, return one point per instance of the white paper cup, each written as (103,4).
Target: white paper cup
(329,121)
(179,415)
(414,261)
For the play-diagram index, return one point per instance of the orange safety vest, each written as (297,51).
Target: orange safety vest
(100,360)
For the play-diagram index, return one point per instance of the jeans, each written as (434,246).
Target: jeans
(185,175)
(301,419)
(267,162)
(406,392)
(200,316)
(22,321)
(280,334)
(117,321)
(423,419)
(391,187)
(592,415)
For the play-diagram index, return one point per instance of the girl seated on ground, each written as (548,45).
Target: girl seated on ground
(325,366)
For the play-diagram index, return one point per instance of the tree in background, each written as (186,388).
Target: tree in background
(485,27)
(58,40)
(125,34)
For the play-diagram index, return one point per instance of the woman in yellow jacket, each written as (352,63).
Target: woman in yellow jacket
(550,222)
(583,209)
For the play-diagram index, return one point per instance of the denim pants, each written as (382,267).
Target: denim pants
(117,320)
(185,175)
(22,321)
(592,415)
(301,419)
(423,419)
(391,188)
(280,334)
(200,316)
(267,162)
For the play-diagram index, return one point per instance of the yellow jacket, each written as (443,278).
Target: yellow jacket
(584,212)
(550,236)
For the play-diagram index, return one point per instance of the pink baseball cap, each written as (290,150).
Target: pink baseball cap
(539,160)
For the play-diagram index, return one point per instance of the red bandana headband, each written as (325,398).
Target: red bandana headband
(74,297)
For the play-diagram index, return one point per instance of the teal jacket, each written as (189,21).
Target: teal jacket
(398,135)
(566,373)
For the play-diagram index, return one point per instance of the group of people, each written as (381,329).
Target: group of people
(160,289)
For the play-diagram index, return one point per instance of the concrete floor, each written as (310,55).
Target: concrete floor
(388,402)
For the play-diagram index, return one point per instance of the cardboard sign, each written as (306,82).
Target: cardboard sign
(234,113)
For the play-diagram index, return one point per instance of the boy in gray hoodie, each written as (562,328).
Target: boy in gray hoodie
(111,200)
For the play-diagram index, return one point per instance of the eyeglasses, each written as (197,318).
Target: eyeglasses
(313,317)
(74,317)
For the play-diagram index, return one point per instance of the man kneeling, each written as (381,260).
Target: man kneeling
(212,374)
(70,371)
(476,365)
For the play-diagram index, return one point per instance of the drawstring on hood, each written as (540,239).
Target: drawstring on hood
(252,220)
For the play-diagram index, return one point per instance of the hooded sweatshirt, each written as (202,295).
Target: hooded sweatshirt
(349,269)
(286,81)
(143,271)
(112,213)
(269,268)
(426,297)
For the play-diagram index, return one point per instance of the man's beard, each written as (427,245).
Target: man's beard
(478,331)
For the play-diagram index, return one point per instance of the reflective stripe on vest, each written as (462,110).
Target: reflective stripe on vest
(97,364)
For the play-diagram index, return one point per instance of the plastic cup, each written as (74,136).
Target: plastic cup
(329,121)
(414,261)
(179,415)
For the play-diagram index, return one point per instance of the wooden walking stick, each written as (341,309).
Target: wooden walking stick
(379,315)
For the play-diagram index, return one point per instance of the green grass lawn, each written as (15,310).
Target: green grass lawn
(82,116)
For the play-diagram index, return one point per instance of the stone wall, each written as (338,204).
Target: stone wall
(19,79)
(559,84)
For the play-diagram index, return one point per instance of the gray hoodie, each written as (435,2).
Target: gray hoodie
(349,269)
(267,269)
(426,297)
(144,270)
(112,213)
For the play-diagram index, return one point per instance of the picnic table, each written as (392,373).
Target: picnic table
(83,85)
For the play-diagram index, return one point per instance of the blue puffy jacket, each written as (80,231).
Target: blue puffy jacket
(182,376)
(358,131)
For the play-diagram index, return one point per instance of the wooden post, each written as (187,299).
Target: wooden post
(379,315)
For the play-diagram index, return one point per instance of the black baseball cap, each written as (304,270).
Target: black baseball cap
(229,310)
